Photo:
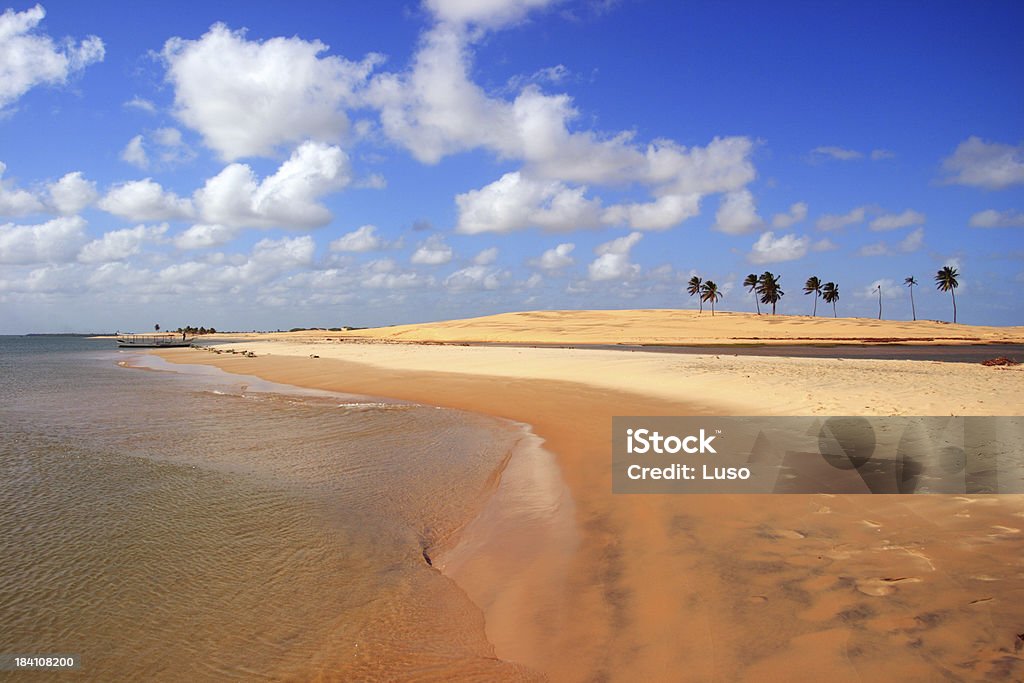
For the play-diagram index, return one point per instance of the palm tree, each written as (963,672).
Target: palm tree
(813,286)
(910,282)
(693,287)
(946,280)
(878,287)
(709,292)
(751,284)
(769,289)
(830,294)
(156,327)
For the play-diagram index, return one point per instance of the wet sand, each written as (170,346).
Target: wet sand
(709,587)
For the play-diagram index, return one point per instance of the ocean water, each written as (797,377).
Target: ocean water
(178,523)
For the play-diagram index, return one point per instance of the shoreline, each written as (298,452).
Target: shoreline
(656,583)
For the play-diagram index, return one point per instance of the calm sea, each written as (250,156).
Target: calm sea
(178,523)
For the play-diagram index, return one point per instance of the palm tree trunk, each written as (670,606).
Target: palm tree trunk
(879,303)
(953,294)
(912,308)
(758,304)
(815,313)
(834,310)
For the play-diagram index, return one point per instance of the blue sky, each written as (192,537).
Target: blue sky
(271,165)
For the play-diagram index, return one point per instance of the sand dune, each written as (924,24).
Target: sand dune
(680,327)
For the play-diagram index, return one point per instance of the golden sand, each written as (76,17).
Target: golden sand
(705,587)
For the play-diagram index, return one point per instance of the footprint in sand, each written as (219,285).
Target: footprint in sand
(1004,530)
(879,587)
(784,533)
(873,525)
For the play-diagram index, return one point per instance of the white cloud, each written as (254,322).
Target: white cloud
(118,245)
(173,149)
(824,245)
(486,257)
(555,258)
(989,165)
(141,104)
(145,200)
(771,249)
(202,235)
(515,202)
(612,262)
(56,241)
(874,249)
(484,13)
(286,199)
(881,154)
(663,213)
(268,259)
(893,221)
(737,214)
(134,153)
(16,202)
(838,153)
(797,213)
(998,219)
(912,242)
(433,252)
(72,193)
(474,278)
(246,98)
(434,109)
(830,222)
(363,238)
(28,59)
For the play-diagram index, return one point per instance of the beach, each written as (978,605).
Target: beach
(576,583)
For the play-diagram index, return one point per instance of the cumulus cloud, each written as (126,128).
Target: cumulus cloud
(612,262)
(796,214)
(555,258)
(203,235)
(55,241)
(893,221)
(485,13)
(246,98)
(838,153)
(145,200)
(14,201)
(29,58)
(829,222)
(141,104)
(989,165)
(268,259)
(737,214)
(288,198)
(72,193)
(486,256)
(515,202)
(474,278)
(881,154)
(771,249)
(998,219)
(134,153)
(433,252)
(434,109)
(363,238)
(911,243)
(118,245)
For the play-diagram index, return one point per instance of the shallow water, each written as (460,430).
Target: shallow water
(170,523)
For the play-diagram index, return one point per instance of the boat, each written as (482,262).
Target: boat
(153,341)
